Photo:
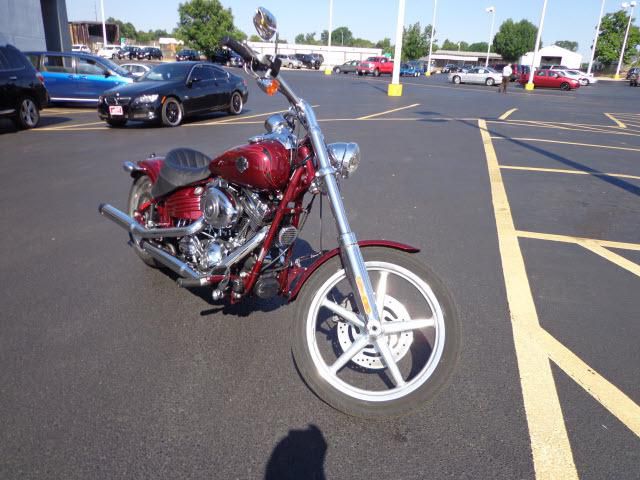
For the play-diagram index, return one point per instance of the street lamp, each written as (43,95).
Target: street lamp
(433,34)
(327,70)
(395,88)
(595,40)
(529,85)
(631,6)
(492,11)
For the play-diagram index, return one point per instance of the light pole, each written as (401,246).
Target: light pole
(529,85)
(433,34)
(104,27)
(492,11)
(327,70)
(395,87)
(595,40)
(625,5)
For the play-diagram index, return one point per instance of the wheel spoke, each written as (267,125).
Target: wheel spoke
(351,352)
(385,351)
(344,313)
(381,292)
(398,327)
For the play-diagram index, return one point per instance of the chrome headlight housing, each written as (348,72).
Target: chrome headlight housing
(345,157)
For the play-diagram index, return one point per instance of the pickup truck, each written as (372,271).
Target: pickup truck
(375,66)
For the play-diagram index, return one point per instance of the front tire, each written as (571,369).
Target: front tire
(28,115)
(235,104)
(346,367)
(171,113)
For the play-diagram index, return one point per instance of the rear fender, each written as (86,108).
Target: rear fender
(303,274)
(150,167)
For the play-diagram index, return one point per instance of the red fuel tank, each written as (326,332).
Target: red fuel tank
(263,165)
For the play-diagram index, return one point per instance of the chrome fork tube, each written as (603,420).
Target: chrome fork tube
(349,250)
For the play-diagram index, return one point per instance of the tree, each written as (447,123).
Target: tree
(568,44)
(203,23)
(515,39)
(478,47)
(612,30)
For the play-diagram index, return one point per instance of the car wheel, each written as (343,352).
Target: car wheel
(565,86)
(376,73)
(171,112)
(28,114)
(336,70)
(489,82)
(456,79)
(235,104)
(116,122)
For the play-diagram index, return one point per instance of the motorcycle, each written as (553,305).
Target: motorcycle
(231,223)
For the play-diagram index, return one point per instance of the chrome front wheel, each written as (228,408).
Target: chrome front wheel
(376,369)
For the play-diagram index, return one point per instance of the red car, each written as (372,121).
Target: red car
(550,79)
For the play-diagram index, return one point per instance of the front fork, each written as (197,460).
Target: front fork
(350,253)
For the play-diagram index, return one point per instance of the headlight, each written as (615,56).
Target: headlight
(345,157)
(146,98)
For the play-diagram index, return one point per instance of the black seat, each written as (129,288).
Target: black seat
(181,167)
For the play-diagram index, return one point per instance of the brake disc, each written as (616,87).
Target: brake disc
(399,343)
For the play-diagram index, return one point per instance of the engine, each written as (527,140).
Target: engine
(231,214)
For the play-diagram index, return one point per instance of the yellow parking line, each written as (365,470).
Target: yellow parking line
(544,140)
(551,450)
(617,122)
(573,172)
(506,114)
(387,111)
(607,394)
(578,240)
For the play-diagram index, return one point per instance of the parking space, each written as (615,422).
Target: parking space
(526,204)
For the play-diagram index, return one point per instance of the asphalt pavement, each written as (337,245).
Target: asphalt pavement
(525,204)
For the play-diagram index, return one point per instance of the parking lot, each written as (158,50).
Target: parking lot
(526,204)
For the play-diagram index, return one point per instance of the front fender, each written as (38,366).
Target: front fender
(300,278)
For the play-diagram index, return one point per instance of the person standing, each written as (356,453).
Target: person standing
(506,78)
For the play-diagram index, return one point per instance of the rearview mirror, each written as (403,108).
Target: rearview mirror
(265,23)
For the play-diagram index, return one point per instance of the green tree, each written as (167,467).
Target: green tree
(612,30)
(415,41)
(515,39)
(568,44)
(203,23)
(478,47)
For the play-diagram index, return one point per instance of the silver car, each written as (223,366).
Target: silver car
(482,75)
(290,61)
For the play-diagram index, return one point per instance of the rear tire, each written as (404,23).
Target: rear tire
(360,387)
(28,114)
(141,192)
(171,113)
(235,104)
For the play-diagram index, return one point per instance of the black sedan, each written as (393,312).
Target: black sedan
(170,92)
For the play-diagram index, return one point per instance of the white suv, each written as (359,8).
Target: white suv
(109,51)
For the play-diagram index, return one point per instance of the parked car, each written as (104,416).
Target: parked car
(347,67)
(109,51)
(550,79)
(136,70)
(80,47)
(128,51)
(77,77)
(487,76)
(187,54)
(149,53)
(171,92)
(408,70)
(633,71)
(22,90)
(290,61)
(375,66)
(582,77)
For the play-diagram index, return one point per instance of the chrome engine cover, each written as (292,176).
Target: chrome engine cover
(220,208)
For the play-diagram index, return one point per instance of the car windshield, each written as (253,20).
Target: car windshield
(168,72)
(115,67)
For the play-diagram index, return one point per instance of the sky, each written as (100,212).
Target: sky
(457,20)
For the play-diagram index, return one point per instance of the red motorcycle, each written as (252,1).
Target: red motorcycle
(231,222)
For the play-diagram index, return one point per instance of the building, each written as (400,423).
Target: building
(35,24)
(444,57)
(553,55)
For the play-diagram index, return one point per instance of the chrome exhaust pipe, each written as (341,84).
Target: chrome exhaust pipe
(137,230)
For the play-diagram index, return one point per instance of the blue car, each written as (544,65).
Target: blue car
(77,77)
(408,70)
